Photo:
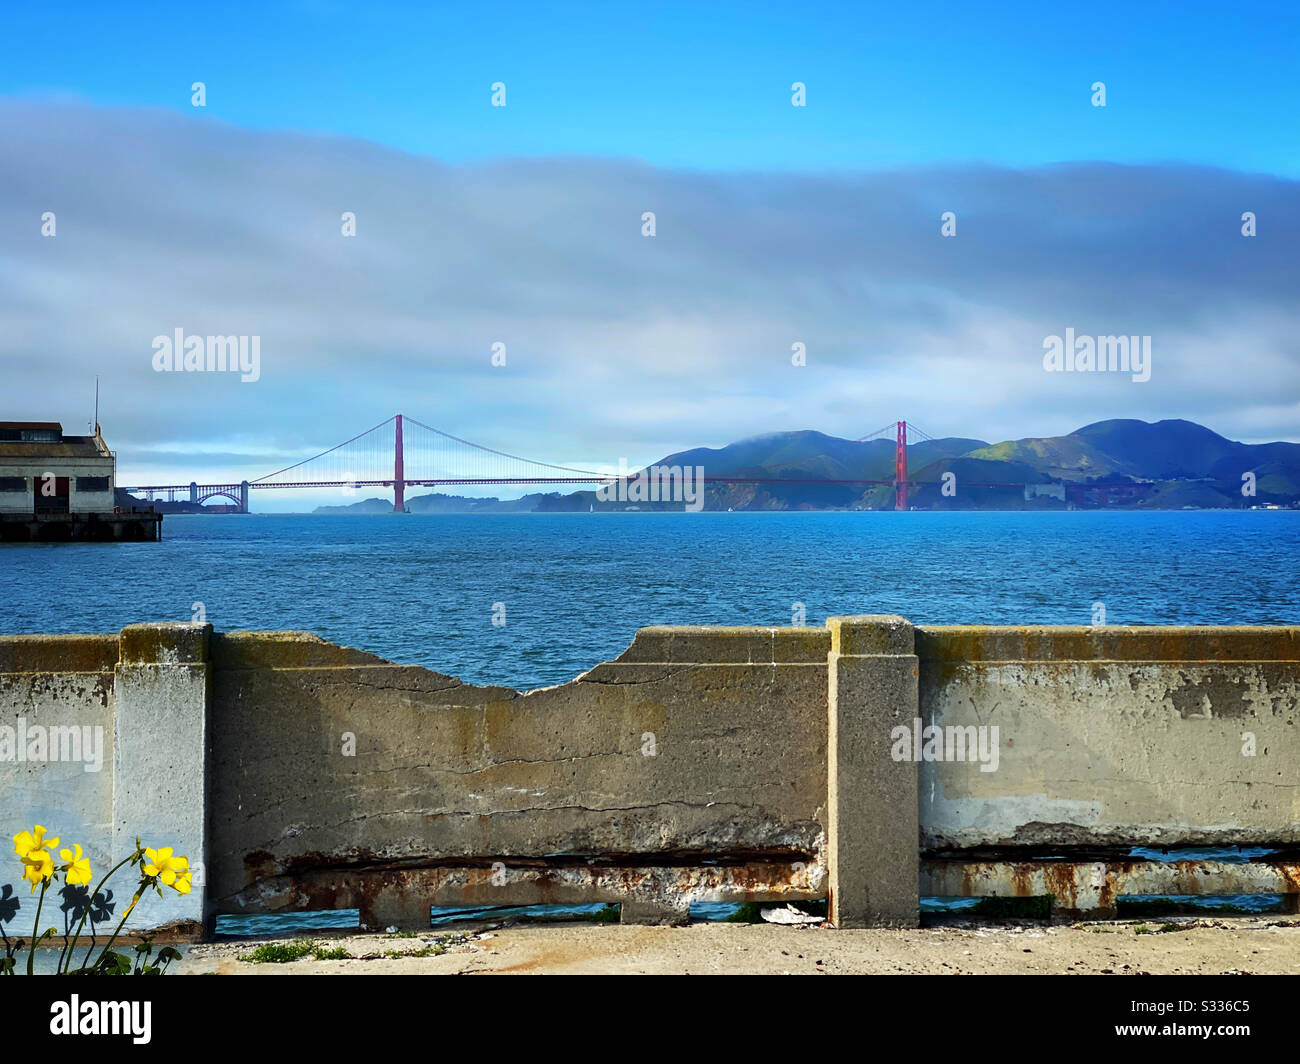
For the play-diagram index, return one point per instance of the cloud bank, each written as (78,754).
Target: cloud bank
(617,344)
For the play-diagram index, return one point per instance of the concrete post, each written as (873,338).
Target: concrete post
(873,852)
(160,793)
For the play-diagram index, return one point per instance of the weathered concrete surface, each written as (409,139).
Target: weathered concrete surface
(137,767)
(160,794)
(1114,736)
(345,762)
(872,814)
(46,683)
(1108,642)
(57,654)
(704,764)
(697,644)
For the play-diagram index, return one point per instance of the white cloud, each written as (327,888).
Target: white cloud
(617,344)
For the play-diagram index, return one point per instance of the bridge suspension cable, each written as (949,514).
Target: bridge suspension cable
(375,454)
(882,431)
(491,467)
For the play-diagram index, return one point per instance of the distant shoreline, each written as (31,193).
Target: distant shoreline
(334,512)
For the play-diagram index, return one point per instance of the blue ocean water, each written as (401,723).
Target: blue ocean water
(573,588)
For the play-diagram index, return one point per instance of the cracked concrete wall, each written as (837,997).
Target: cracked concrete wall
(56,682)
(692,767)
(102,739)
(1114,736)
(694,745)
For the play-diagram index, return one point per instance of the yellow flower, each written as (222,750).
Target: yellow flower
(38,866)
(78,867)
(170,871)
(30,846)
(26,841)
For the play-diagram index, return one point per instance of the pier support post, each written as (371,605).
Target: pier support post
(873,845)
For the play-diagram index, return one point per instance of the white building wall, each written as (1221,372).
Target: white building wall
(33,470)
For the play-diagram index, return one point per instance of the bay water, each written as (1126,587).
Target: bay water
(568,591)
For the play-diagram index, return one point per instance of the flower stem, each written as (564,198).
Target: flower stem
(31,953)
(108,945)
(70,947)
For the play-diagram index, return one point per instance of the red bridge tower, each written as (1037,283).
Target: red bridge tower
(900,467)
(399,472)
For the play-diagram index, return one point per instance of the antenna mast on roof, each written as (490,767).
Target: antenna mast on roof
(96,404)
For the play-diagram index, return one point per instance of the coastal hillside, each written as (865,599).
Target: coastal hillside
(1120,463)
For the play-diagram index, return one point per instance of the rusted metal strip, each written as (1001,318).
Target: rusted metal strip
(403,896)
(1093,886)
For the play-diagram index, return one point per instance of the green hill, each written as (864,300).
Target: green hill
(1119,463)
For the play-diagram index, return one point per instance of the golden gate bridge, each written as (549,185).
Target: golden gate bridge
(402,452)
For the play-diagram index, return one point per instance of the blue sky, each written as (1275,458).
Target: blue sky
(704,85)
(777,225)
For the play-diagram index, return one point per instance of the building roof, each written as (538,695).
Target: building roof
(71,447)
(49,426)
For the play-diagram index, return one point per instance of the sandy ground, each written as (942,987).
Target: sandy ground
(1192,946)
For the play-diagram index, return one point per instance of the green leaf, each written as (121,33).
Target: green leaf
(114,964)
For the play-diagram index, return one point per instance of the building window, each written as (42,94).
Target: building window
(15,434)
(92,483)
(13,483)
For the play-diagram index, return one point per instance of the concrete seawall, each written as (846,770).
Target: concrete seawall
(868,761)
